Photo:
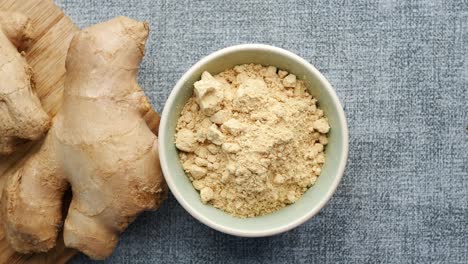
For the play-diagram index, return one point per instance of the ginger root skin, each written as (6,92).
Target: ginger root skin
(21,115)
(99,145)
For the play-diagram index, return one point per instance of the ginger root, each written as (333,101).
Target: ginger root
(99,145)
(21,115)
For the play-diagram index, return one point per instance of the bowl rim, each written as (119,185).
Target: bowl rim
(163,134)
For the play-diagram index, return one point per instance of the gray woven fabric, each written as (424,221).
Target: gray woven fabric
(401,70)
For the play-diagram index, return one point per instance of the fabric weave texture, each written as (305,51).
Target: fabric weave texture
(400,68)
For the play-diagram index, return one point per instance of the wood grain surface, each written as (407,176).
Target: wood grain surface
(53,32)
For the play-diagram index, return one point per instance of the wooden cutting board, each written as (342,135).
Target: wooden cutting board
(53,32)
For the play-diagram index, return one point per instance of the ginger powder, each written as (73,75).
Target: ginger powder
(251,139)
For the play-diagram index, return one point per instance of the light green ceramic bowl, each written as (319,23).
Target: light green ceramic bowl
(336,151)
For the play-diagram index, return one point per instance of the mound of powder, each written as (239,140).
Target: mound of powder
(251,139)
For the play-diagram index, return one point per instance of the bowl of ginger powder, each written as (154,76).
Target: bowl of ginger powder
(253,140)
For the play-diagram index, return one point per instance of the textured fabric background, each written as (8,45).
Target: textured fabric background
(401,70)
